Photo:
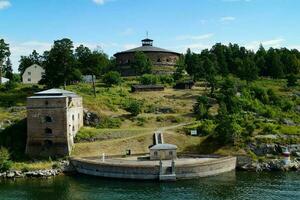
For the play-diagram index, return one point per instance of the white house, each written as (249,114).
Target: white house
(33,74)
(4,80)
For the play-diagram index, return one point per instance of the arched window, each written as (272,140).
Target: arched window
(48,119)
(73,118)
(73,128)
(48,131)
(159,60)
(168,60)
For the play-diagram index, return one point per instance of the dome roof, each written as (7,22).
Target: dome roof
(164,147)
(147,47)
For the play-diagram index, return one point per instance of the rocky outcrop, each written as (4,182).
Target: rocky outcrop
(269,165)
(62,167)
(273,149)
(90,118)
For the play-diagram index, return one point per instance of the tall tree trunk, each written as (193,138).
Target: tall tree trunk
(94,88)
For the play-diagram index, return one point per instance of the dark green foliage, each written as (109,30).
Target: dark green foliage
(201,107)
(148,79)
(292,80)
(134,107)
(4,54)
(14,139)
(180,68)
(109,122)
(166,79)
(141,64)
(5,163)
(60,64)
(112,78)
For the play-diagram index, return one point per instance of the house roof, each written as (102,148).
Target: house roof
(147,47)
(163,147)
(54,93)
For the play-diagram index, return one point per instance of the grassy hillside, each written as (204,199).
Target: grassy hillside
(161,110)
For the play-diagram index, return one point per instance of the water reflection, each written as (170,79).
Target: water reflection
(240,185)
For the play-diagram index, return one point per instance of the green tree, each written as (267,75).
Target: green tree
(8,71)
(112,78)
(141,64)
(60,66)
(292,80)
(5,163)
(210,74)
(134,107)
(4,54)
(180,68)
(248,71)
(201,108)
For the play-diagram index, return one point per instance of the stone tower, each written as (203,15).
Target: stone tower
(53,118)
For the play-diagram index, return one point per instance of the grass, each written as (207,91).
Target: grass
(32,166)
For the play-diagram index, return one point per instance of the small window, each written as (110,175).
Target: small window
(78,116)
(170,153)
(73,128)
(48,119)
(168,60)
(159,60)
(48,131)
(155,153)
(29,73)
(73,118)
(35,66)
(29,79)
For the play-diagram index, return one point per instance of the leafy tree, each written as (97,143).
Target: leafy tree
(201,108)
(60,64)
(4,54)
(134,107)
(112,78)
(292,80)
(148,79)
(274,64)
(248,71)
(141,64)
(180,68)
(8,71)
(5,163)
(210,74)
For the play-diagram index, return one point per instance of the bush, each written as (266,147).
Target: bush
(148,79)
(110,123)
(134,107)
(201,107)
(5,163)
(292,80)
(166,79)
(112,78)
(10,85)
(207,127)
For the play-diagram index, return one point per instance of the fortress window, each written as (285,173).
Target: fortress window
(159,60)
(168,60)
(170,153)
(155,153)
(29,79)
(78,116)
(48,131)
(73,128)
(48,119)
(73,118)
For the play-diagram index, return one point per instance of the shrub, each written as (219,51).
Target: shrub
(110,122)
(134,107)
(207,127)
(270,128)
(166,79)
(148,79)
(292,80)
(5,163)
(201,107)
(112,78)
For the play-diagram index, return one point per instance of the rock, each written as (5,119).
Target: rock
(296,154)
(2,175)
(10,174)
(90,118)
(297,108)
(288,122)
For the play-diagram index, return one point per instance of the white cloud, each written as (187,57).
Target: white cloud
(195,37)
(275,43)
(227,18)
(4,4)
(99,2)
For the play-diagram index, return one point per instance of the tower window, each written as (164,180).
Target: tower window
(29,73)
(29,79)
(48,131)
(78,116)
(73,118)
(48,119)
(168,60)
(159,60)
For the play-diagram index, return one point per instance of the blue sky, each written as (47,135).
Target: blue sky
(116,25)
